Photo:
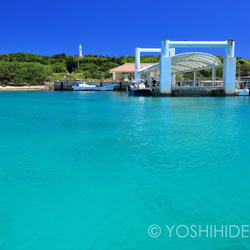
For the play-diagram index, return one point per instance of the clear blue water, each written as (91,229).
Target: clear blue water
(85,170)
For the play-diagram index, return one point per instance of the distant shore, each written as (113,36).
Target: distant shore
(25,88)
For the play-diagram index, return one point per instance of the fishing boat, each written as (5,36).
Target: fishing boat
(82,86)
(139,88)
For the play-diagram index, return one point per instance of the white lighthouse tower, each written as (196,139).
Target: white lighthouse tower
(80,51)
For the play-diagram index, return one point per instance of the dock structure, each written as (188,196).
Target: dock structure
(171,64)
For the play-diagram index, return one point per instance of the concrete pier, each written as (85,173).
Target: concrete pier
(206,90)
(197,91)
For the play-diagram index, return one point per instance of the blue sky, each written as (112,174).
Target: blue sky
(116,28)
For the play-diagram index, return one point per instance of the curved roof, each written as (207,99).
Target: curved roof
(187,62)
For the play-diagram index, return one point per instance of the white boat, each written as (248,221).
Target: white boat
(86,87)
(242,92)
(139,88)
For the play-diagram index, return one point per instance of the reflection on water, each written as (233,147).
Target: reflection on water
(84,170)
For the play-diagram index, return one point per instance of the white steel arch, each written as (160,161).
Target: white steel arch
(168,67)
(187,62)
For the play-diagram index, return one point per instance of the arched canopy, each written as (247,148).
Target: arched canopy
(187,62)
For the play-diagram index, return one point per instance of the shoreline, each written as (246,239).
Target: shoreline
(25,88)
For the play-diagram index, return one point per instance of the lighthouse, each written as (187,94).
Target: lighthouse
(80,51)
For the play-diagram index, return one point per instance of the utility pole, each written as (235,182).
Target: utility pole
(8,59)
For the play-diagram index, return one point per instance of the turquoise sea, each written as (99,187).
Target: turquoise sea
(86,170)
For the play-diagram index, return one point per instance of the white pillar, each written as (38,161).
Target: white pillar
(137,63)
(165,68)
(229,69)
(181,83)
(173,76)
(172,51)
(213,76)
(148,77)
(155,75)
(113,75)
(195,78)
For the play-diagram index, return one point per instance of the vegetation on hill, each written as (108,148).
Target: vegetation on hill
(36,69)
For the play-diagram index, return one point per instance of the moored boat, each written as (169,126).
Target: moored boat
(242,92)
(86,87)
(139,88)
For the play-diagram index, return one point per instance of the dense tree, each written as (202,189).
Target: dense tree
(59,67)
(24,72)
(32,68)
(6,70)
(60,57)
(71,64)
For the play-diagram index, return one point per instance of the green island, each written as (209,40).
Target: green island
(24,69)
